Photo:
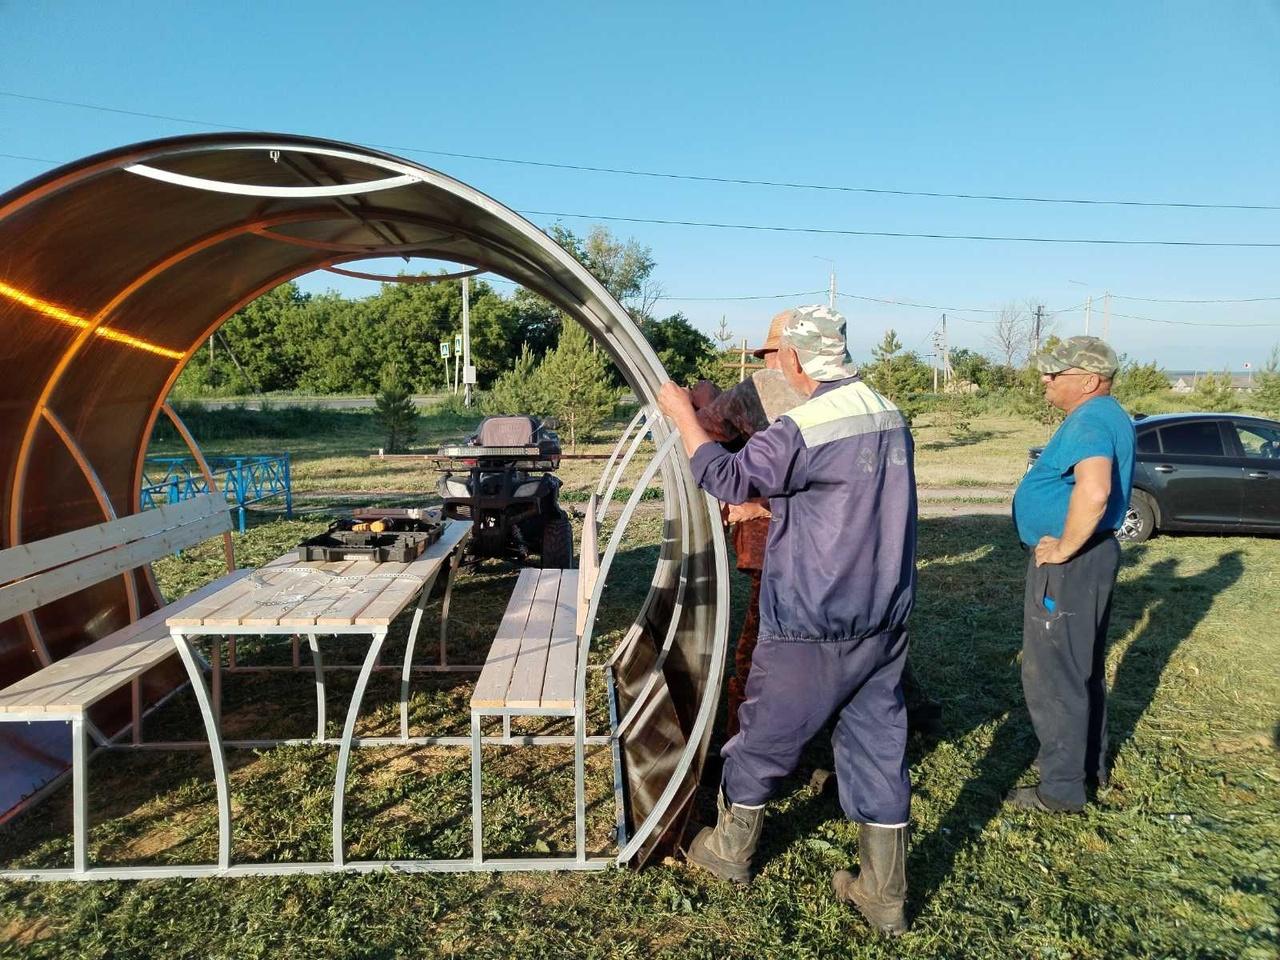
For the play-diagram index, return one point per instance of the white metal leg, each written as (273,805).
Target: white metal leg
(477,834)
(212,731)
(317,662)
(80,795)
(344,751)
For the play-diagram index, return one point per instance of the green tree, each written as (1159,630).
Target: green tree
(575,378)
(625,268)
(1266,385)
(519,390)
(394,411)
(1136,380)
(896,374)
(684,350)
(1214,392)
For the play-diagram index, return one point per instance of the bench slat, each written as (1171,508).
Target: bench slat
(531,663)
(80,679)
(558,687)
(27,559)
(495,677)
(36,591)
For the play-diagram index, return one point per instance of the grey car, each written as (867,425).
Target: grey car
(1213,472)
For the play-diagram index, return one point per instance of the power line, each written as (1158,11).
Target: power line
(696,178)
(827,231)
(1194,323)
(1116,296)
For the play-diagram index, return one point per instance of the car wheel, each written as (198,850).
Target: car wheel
(557,545)
(1139,520)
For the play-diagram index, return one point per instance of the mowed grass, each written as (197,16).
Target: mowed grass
(1179,858)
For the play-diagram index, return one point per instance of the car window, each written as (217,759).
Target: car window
(1200,439)
(1148,442)
(1259,441)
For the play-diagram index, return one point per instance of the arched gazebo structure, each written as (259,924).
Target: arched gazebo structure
(115,269)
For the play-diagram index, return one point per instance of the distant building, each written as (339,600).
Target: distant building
(1184,381)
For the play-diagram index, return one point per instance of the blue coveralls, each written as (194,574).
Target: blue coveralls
(837,588)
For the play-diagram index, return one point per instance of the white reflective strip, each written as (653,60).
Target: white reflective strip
(749,806)
(888,826)
(257,190)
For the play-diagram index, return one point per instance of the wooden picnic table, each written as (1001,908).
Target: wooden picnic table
(288,597)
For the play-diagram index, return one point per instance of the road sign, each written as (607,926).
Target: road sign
(444,349)
(457,344)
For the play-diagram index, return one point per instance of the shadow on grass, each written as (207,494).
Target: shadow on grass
(1168,622)
(967,439)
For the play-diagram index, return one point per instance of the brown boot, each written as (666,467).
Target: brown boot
(726,850)
(879,891)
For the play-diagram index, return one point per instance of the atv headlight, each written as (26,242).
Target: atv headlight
(529,489)
(455,488)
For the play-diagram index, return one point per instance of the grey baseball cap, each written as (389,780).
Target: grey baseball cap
(818,335)
(1083,353)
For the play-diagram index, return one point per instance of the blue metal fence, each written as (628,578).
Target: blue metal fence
(241,480)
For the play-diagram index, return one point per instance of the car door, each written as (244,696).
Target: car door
(1260,459)
(1198,483)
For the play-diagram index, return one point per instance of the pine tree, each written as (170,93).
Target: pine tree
(575,379)
(394,410)
(519,390)
(1266,385)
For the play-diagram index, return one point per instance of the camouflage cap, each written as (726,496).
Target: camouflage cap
(818,335)
(1083,353)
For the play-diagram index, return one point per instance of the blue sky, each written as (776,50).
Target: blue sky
(1169,101)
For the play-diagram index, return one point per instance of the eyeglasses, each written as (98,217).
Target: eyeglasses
(1062,373)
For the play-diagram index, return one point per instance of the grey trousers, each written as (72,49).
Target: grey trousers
(1064,641)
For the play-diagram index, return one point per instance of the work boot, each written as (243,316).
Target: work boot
(1029,798)
(879,890)
(726,850)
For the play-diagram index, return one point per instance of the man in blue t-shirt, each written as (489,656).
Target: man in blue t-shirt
(1067,510)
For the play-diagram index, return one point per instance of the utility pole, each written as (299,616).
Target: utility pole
(946,356)
(1088,309)
(831,290)
(742,363)
(1035,330)
(468,375)
(1106,316)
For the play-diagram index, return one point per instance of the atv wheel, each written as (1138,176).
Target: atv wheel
(557,544)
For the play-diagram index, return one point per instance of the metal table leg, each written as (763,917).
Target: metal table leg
(318,663)
(80,794)
(187,652)
(344,751)
(477,835)
(408,654)
(444,609)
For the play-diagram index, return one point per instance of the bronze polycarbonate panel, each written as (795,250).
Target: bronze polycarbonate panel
(111,280)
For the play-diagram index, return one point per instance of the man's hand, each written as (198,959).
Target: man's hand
(751,510)
(674,401)
(1049,550)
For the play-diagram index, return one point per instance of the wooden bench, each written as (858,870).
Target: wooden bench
(38,573)
(532,666)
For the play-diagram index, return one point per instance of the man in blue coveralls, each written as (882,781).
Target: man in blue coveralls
(837,587)
(1067,510)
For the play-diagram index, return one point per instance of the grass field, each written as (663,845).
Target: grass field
(1180,857)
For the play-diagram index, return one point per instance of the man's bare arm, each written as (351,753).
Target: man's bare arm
(1087,505)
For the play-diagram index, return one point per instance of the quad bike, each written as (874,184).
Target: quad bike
(502,479)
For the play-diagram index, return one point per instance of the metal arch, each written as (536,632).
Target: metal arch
(621,469)
(431,278)
(706,709)
(255,190)
(99,494)
(513,248)
(617,448)
(228,545)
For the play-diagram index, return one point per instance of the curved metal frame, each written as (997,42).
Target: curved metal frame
(475,230)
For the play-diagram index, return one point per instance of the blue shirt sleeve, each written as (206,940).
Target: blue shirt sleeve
(772,464)
(1084,437)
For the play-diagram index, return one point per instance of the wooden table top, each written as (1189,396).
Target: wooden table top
(290,596)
